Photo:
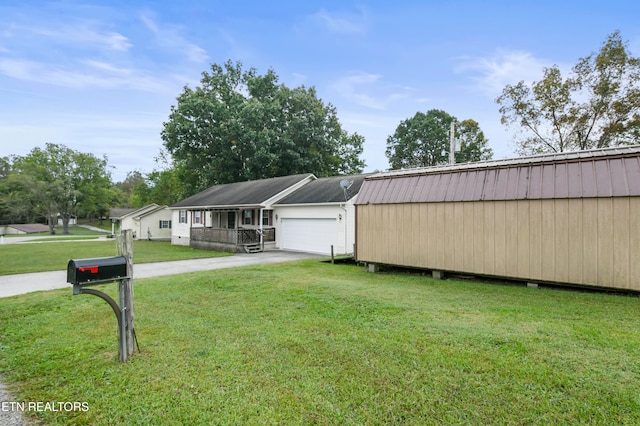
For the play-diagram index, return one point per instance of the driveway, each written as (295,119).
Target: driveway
(11,285)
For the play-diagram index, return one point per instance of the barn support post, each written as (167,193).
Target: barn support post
(437,275)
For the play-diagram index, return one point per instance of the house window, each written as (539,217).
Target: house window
(231,220)
(266,217)
(183,216)
(165,224)
(247,217)
(197,217)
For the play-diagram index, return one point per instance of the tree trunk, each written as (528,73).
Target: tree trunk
(52,223)
(65,224)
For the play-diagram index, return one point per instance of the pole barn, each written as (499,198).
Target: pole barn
(568,218)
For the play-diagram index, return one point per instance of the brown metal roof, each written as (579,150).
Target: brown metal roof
(611,172)
(30,228)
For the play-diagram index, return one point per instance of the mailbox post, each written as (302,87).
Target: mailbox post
(83,273)
(125,248)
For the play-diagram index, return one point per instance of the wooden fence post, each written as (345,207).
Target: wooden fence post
(125,248)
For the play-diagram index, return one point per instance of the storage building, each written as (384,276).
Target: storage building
(570,218)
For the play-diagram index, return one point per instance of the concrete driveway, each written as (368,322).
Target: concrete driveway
(11,285)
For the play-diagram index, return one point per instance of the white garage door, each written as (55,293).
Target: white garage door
(312,235)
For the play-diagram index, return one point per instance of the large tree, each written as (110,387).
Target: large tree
(424,140)
(58,181)
(17,205)
(238,125)
(597,106)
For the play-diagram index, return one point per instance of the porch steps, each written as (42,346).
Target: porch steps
(253,248)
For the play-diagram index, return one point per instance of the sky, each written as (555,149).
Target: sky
(101,77)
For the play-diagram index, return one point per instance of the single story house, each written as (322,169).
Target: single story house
(235,216)
(319,216)
(151,222)
(23,229)
(568,218)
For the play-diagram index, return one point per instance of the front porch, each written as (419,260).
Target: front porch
(238,240)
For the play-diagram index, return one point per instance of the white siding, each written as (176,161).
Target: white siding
(180,232)
(147,226)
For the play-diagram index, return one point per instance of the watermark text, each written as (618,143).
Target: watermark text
(39,406)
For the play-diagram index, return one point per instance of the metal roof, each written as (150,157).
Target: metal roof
(245,194)
(30,228)
(611,172)
(325,190)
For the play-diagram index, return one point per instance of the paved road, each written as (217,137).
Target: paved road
(11,285)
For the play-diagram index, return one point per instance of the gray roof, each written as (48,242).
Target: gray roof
(242,194)
(611,172)
(325,190)
(117,213)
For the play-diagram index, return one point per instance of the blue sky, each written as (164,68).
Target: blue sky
(101,76)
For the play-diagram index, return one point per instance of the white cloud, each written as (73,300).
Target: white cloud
(169,37)
(94,74)
(491,74)
(356,88)
(343,23)
(79,32)
(369,90)
(107,67)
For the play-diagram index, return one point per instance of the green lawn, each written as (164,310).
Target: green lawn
(314,343)
(51,256)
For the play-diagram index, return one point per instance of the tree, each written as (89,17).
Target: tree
(5,212)
(424,140)
(597,106)
(57,179)
(472,143)
(92,181)
(16,204)
(134,190)
(238,125)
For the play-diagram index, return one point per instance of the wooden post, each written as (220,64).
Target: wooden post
(125,248)
(332,259)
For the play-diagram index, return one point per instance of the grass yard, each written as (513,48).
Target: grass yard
(52,256)
(314,343)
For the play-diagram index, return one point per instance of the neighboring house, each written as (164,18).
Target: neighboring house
(73,220)
(235,216)
(563,218)
(319,216)
(151,222)
(23,229)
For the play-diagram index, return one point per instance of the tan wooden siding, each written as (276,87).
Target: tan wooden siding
(591,241)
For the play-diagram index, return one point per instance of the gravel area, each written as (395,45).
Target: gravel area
(8,418)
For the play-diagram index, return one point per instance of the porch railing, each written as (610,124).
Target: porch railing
(232,236)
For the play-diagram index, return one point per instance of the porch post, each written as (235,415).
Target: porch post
(260,232)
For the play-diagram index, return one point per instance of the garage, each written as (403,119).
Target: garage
(309,234)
